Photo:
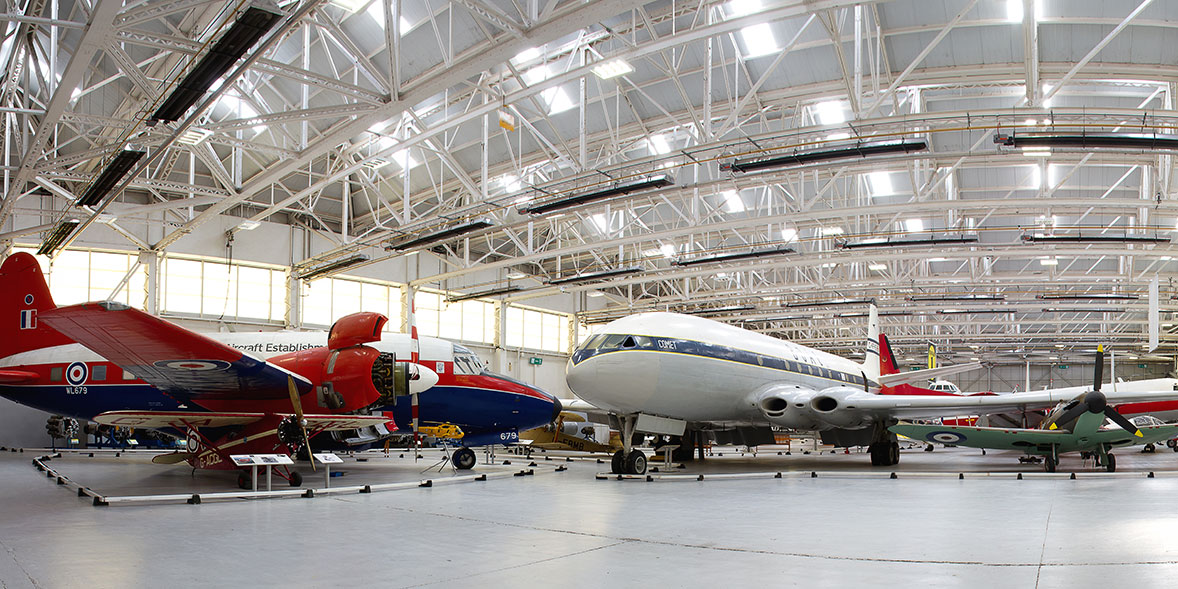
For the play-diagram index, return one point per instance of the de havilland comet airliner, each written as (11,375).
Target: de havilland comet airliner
(245,392)
(662,373)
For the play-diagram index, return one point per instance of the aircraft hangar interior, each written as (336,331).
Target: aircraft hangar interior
(588,292)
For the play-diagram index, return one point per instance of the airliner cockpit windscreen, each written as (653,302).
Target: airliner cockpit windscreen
(466,362)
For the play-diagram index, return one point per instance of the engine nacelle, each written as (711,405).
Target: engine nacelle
(356,377)
(801,408)
(355,329)
(836,406)
(787,405)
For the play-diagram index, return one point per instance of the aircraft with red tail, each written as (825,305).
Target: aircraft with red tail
(245,393)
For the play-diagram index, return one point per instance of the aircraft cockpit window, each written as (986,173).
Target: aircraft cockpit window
(612,342)
(629,342)
(466,362)
(594,342)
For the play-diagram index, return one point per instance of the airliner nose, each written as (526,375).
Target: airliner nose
(581,375)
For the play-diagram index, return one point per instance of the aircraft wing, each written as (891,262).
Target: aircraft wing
(183,419)
(983,437)
(891,380)
(1021,439)
(928,406)
(182,363)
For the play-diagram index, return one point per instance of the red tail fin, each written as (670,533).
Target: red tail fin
(23,295)
(887,359)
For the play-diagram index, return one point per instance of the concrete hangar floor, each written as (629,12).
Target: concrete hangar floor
(949,518)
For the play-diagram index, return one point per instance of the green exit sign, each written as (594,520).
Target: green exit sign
(1063,366)
(535,361)
(1141,365)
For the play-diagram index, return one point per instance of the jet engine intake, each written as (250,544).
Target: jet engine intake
(786,405)
(835,406)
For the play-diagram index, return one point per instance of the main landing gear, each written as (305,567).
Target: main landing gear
(884,448)
(628,460)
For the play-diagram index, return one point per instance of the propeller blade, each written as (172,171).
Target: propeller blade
(414,407)
(1120,420)
(1098,374)
(298,409)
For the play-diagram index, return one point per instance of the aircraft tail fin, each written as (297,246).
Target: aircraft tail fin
(23,295)
(887,358)
(871,357)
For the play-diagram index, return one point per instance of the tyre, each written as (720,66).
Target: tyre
(464,459)
(1148,449)
(296,478)
(617,463)
(1173,444)
(636,462)
(893,453)
(876,455)
(1049,464)
(1111,463)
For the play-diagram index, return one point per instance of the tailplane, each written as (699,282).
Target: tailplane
(24,295)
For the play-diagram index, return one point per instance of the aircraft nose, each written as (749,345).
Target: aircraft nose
(581,375)
(557,407)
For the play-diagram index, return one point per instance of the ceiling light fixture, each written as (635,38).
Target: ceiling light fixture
(810,157)
(619,189)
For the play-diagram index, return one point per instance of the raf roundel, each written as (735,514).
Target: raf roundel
(28,299)
(76,374)
(193,365)
(945,437)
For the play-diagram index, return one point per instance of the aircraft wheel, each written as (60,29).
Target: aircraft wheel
(1049,464)
(1149,449)
(1172,444)
(893,453)
(295,479)
(617,463)
(464,459)
(928,447)
(636,462)
(1111,463)
(244,481)
(876,455)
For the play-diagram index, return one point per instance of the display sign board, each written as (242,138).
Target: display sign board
(328,458)
(260,459)
(535,361)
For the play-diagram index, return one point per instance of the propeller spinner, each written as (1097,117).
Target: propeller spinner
(1095,402)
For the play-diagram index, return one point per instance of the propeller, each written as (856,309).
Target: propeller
(298,409)
(1095,402)
(415,358)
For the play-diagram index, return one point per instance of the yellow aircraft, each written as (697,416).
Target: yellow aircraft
(446,431)
(552,437)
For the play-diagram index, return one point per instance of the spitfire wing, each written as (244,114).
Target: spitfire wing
(929,406)
(182,363)
(982,437)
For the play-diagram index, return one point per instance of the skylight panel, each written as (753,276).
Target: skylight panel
(758,40)
(732,201)
(914,225)
(613,69)
(880,183)
(831,112)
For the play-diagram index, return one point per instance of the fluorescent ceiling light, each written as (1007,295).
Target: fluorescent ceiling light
(612,69)
(758,40)
(1036,151)
(1048,262)
(248,225)
(595,293)
(831,112)
(828,231)
(914,225)
(732,201)
(880,183)
(877,267)
(193,136)
(515,275)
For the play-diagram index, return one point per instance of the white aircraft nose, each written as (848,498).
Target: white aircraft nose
(581,376)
